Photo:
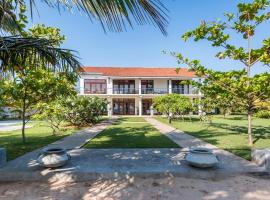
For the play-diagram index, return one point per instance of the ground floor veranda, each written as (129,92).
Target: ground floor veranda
(131,106)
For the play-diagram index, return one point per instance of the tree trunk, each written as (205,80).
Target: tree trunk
(250,138)
(170,119)
(23,120)
(23,128)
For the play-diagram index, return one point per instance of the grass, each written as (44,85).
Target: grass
(228,133)
(131,132)
(37,136)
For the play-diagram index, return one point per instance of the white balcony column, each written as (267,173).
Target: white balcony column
(109,106)
(190,89)
(140,106)
(186,89)
(170,86)
(81,85)
(109,85)
(140,86)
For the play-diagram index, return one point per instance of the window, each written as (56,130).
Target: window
(147,86)
(124,87)
(177,87)
(95,86)
(124,106)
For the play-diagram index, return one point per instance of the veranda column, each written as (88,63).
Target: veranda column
(170,86)
(185,89)
(109,106)
(140,106)
(109,85)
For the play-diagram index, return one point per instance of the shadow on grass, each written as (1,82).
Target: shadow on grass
(131,137)
(259,132)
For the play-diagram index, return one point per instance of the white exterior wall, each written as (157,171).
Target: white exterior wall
(81,85)
(160,83)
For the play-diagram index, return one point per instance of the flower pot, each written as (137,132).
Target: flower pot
(201,158)
(53,157)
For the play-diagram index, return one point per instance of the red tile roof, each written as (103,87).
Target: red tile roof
(139,71)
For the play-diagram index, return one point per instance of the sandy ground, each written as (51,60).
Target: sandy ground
(240,187)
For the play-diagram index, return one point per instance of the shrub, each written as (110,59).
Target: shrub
(83,110)
(263,114)
(172,104)
(53,113)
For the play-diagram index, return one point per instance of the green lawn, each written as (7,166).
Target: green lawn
(131,132)
(229,133)
(38,136)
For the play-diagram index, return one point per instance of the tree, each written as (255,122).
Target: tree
(172,104)
(31,87)
(52,112)
(19,47)
(245,22)
(114,15)
(83,110)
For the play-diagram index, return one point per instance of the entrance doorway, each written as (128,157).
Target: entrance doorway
(146,106)
(124,106)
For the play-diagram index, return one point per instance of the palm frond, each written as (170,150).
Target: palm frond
(17,52)
(8,22)
(115,15)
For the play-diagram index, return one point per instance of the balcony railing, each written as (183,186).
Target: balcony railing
(126,91)
(154,90)
(103,91)
(143,91)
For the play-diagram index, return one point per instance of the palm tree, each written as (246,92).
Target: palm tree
(114,15)
(16,52)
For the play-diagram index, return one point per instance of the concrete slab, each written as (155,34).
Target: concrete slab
(227,159)
(88,164)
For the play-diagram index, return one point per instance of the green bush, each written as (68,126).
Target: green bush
(263,114)
(83,110)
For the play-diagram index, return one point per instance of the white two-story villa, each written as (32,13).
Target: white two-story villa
(130,91)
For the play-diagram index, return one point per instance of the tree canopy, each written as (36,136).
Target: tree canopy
(235,86)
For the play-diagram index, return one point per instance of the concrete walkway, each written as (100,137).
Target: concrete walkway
(228,161)
(27,162)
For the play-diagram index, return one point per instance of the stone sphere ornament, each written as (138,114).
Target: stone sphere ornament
(53,157)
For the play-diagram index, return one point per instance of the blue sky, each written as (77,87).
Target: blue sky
(143,46)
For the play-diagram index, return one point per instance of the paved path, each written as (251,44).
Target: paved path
(227,160)
(77,140)
(27,162)
(11,125)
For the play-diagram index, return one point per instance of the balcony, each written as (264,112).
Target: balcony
(154,91)
(100,91)
(125,91)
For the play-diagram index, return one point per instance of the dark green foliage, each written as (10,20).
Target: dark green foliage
(263,114)
(83,110)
